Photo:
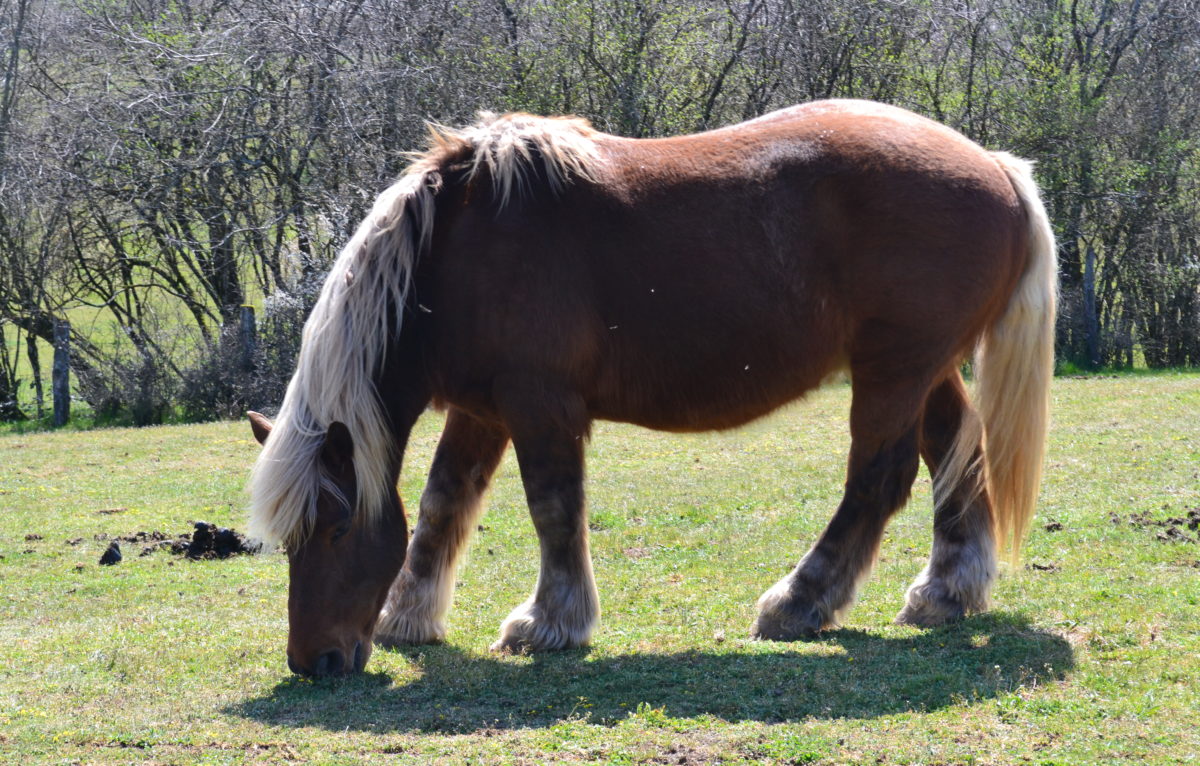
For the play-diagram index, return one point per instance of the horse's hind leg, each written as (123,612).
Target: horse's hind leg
(466,458)
(962,565)
(549,430)
(884,418)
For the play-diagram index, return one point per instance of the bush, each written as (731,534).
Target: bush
(139,385)
(231,378)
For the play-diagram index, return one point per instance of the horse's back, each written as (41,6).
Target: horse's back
(701,281)
(848,189)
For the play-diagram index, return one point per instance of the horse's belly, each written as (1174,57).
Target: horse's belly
(710,393)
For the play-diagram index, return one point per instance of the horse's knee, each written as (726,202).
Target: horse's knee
(882,479)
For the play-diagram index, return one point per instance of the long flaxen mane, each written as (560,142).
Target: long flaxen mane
(362,304)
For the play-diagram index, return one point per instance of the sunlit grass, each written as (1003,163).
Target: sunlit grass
(1091,654)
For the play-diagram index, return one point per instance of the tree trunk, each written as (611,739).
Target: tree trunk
(10,409)
(35,365)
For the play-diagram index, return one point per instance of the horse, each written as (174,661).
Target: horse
(528,275)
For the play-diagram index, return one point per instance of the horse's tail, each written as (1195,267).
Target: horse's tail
(1014,363)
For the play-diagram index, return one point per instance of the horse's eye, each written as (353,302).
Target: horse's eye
(340,531)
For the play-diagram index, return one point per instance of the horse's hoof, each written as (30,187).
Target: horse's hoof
(526,637)
(789,625)
(527,629)
(929,603)
(392,642)
(929,614)
(393,632)
(511,645)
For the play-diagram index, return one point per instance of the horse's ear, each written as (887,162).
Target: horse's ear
(337,450)
(260,426)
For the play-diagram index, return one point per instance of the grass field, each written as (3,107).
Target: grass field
(1092,654)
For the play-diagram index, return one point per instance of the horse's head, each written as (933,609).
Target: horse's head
(341,570)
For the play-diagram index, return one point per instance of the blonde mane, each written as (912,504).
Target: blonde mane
(361,307)
(506,145)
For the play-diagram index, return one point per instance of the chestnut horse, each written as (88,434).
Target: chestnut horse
(530,275)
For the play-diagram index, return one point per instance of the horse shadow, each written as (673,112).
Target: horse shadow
(841,674)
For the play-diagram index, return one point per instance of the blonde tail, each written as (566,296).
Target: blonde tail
(1014,362)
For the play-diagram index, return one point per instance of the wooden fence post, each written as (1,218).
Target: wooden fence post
(1091,321)
(61,376)
(248,331)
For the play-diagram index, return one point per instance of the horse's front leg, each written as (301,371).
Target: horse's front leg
(549,428)
(466,458)
(882,468)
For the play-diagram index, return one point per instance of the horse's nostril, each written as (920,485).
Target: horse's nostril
(331,663)
(292,666)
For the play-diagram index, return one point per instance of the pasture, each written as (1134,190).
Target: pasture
(1090,655)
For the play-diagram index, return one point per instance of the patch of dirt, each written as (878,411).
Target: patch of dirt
(31,537)
(1170,529)
(205,541)
(208,541)
(112,555)
(1054,526)
(1044,567)
(178,547)
(143,537)
(685,755)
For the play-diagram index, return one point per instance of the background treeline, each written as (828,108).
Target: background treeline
(164,163)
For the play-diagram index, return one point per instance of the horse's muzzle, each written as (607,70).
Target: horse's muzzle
(332,663)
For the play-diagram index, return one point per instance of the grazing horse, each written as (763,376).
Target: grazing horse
(529,275)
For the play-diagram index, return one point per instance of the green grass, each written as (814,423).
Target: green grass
(1091,656)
